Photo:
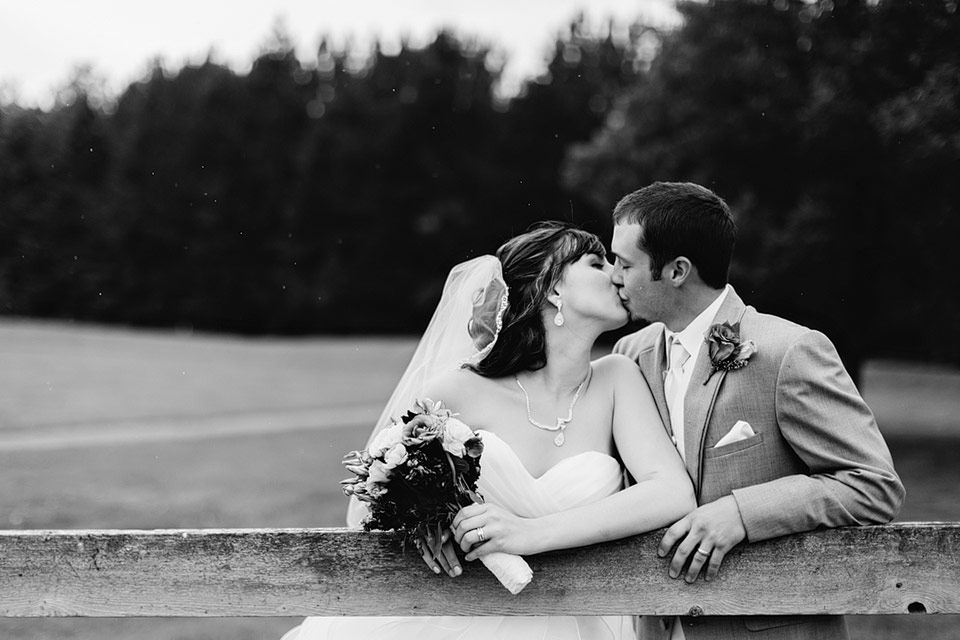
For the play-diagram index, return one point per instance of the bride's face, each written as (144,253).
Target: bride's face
(588,292)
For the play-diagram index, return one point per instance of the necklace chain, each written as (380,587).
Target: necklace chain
(561,422)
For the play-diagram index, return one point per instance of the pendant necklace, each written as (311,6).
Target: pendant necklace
(561,422)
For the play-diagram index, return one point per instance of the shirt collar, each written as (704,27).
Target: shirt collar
(692,336)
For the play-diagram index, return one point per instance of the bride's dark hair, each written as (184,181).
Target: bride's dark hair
(532,263)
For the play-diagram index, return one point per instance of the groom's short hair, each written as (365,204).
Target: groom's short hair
(682,219)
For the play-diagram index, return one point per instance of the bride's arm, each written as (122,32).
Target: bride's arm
(661,495)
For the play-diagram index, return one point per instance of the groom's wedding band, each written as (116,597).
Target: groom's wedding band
(480,536)
(702,552)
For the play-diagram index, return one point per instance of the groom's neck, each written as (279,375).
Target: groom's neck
(691,302)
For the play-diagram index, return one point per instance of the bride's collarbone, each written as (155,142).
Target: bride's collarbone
(498,407)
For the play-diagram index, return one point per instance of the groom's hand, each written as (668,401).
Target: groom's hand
(708,533)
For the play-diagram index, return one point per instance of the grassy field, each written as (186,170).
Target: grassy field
(105,428)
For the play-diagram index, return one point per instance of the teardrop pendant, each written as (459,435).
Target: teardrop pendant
(559,439)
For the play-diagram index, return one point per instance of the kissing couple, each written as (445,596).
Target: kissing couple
(731,426)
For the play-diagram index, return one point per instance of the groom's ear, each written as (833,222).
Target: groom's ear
(678,270)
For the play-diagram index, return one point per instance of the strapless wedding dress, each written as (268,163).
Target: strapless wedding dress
(504,481)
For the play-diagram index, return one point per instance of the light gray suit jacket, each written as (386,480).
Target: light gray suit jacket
(817,459)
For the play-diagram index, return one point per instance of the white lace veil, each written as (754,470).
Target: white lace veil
(464,328)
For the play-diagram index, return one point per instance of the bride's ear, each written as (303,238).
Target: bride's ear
(554,298)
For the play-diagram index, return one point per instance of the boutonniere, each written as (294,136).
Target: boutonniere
(727,352)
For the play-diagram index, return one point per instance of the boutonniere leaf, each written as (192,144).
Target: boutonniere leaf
(727,351)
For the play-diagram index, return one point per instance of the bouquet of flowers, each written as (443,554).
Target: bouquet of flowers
(417,474)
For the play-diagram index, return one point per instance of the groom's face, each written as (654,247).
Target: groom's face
(643,297)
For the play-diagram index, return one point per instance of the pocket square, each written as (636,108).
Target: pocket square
(740,431)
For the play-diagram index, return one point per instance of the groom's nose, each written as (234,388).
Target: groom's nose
(616,274)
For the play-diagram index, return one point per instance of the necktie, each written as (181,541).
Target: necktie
(673,388)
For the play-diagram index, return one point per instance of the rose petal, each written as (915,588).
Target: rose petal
(724,351)
(747,349)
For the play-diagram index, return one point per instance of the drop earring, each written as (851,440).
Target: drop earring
(558,319)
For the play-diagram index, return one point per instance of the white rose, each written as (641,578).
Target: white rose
(378,473)
(385,440)
(395,456)
(455,434)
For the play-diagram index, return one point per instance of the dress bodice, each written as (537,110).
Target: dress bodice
(578,480)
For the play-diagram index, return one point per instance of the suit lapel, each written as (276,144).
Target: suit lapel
(700,398)
(653,364)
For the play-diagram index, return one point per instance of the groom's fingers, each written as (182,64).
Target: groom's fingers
(679,560)
(686,551)
(697,560)
(716,559)
(673,534)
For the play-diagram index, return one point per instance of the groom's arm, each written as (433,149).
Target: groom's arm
(821,414)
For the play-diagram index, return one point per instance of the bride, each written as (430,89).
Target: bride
(509,350)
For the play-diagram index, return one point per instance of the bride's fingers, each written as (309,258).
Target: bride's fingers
(480,550)
(470,511)
(473,537)
(467,525)
(435,548)
(449,554)
(427,556)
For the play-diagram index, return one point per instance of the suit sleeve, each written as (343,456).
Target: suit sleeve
(851,477)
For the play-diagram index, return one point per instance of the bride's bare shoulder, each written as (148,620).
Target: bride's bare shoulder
(615,371)
(616,365)
(455,387)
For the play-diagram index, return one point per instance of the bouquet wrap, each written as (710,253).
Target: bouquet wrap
(511,570)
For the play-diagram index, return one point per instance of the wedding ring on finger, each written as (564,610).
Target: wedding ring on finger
(703,552)
(480,536)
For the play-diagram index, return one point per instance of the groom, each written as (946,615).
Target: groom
(772,430)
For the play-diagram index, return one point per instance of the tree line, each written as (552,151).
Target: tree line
(332,195)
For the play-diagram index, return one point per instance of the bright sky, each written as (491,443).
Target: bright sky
(42,41)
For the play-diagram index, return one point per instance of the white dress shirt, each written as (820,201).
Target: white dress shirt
(692,339)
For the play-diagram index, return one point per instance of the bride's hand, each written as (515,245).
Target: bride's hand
(446,560)
(480,529)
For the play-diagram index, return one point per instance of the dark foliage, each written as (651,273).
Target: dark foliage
(298,198)
(833,130)
(334,195)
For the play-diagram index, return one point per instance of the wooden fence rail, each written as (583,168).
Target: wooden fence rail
(892,569)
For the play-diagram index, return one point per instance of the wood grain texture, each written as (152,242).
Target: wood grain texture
(281,572)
